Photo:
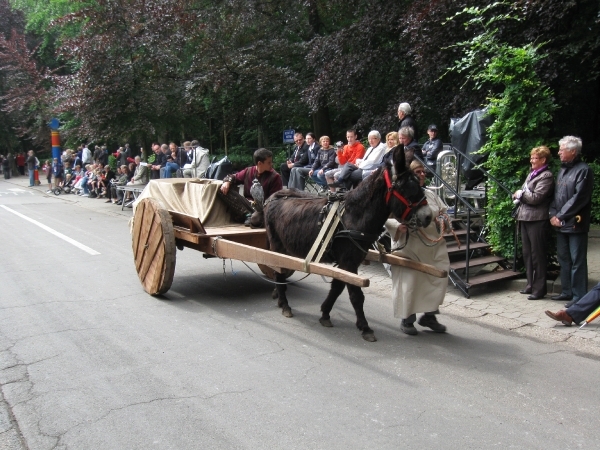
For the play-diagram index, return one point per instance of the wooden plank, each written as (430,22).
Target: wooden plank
(153,244)
(193,224)
(234,250)
(474,262)
(405,262)
(137,226)
(493,276)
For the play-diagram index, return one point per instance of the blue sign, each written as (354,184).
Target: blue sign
(288,136)
(54,124)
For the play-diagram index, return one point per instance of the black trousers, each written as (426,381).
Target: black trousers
(586,305)
(534,236)
(284,170)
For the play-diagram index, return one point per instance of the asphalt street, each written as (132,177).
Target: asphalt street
(88,360)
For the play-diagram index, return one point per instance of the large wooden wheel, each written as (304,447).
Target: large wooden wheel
(153,246)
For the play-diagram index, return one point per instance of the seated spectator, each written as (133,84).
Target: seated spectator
(372,160)
(68,173)
(261,171)
(197,160)
(120,180)
(159,162)
(130,171)
(140,176)
(432,148)
(298,174)
(324,162)
(411,146)
(173,163)
(83,182)
(299,158)
(579,311)
(347,157)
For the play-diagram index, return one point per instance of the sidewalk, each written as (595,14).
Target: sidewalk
(499,303)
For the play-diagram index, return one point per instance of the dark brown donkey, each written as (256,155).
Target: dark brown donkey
(292,221)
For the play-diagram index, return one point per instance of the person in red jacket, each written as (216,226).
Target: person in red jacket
(347,157)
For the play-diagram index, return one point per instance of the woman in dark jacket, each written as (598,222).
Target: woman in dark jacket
(534,202)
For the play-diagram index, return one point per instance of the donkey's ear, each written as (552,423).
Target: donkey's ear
(399,158)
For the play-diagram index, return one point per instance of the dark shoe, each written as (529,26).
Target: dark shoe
(430,321)
(408,328)
(561,316)
(525,291)
(569,304)
(119,203)
(535,297)
(108,201)
(561,297)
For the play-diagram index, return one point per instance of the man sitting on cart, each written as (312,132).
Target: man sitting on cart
(260,182)
(261,171)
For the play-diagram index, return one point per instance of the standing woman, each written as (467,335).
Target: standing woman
(415,292)
(31,166)
(534,199)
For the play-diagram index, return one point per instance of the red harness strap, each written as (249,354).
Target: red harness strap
(391,191)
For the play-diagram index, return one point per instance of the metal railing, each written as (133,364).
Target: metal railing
(455,191)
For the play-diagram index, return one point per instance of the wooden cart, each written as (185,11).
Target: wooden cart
(157,233)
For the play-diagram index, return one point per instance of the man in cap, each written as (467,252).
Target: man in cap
(432,148)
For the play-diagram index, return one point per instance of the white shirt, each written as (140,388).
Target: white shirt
(373,157)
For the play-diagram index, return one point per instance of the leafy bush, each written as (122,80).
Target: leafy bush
(112,162)
(521,105)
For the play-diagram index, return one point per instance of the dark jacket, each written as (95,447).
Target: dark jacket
(312,155)
(408,121)
(431,149)
(325,160)
(572,202)
(31,162)
(300,156)
(536,199)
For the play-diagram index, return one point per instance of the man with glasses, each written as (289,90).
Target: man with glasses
(299,158)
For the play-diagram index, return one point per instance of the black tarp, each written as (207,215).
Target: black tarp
(468,134)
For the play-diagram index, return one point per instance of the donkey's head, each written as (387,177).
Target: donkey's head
(404,195)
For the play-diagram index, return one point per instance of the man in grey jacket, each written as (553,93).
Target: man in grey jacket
(570,213)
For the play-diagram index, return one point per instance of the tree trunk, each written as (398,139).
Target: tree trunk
(322,123)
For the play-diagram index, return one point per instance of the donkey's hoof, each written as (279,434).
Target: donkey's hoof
(326,323)
(275,294)
(369,337)
(287,313)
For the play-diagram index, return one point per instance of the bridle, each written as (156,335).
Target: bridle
(392,185)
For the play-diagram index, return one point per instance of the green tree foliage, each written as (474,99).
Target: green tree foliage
(521,105)
(239,72)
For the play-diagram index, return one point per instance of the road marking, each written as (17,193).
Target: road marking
(85,248)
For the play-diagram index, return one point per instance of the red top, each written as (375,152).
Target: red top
(351,153)
(269,180)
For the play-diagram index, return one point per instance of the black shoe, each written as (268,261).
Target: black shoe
(562,297)
(408,328)
(119,203)
(535,297)
(430,321)
(525,291)
(569,304)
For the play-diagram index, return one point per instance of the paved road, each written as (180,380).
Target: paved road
(88,360)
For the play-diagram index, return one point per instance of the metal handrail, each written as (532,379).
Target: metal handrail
(470,209)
